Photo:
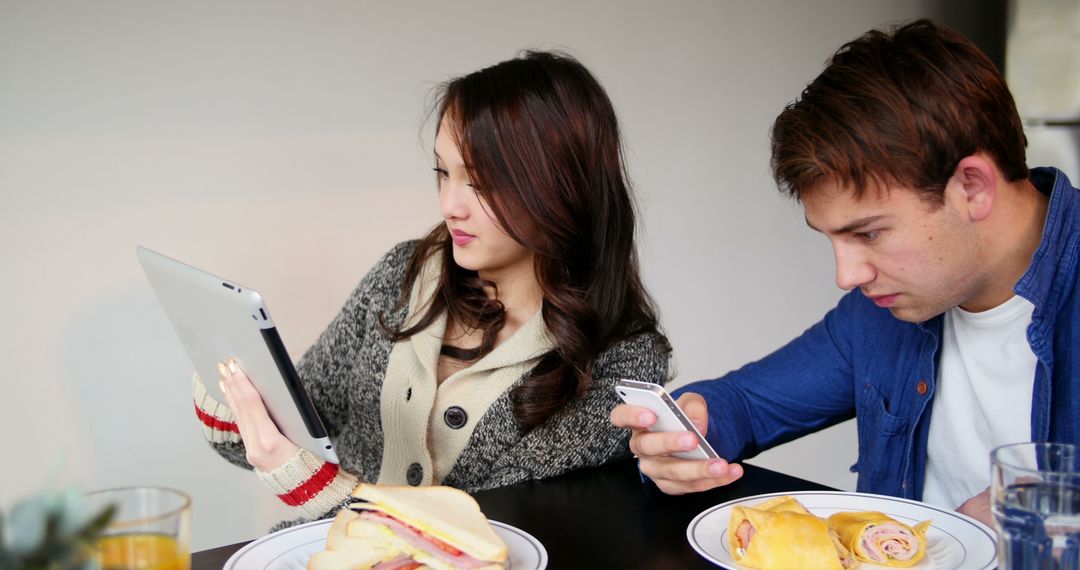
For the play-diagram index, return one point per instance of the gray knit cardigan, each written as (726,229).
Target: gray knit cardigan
(343,374)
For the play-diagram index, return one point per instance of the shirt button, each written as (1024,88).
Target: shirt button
(414,474)
(455,417)
(922,387)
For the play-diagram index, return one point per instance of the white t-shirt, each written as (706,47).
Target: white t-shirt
(983,399)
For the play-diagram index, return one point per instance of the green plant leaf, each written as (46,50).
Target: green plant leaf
(29,519)
(71,510)
(97,523)
(51,531)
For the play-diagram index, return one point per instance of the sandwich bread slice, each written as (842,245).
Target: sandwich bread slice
(407,528)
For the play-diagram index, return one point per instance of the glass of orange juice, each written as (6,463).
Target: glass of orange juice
(150,529)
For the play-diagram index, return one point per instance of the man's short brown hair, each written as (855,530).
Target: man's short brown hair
(900,108)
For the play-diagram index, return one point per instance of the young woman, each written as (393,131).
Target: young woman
(486,353)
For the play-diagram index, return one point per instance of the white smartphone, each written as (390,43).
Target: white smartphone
(669,417)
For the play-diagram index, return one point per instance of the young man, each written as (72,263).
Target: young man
(907,153)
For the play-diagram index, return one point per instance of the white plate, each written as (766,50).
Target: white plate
(953,540)
(290,548)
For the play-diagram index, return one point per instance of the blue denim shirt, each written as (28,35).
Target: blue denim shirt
(860,361)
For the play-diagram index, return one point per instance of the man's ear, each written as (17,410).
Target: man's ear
(978,178)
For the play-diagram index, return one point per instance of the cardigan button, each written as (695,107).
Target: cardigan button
(455,417)
(414,474)
(922,388)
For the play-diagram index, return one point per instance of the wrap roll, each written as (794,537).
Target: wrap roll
(879,539)
(781,534)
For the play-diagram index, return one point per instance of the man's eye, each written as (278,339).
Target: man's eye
(867,236)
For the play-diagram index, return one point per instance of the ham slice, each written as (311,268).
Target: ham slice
(421,541)
(878,538)
(889,541)
(744,534)
(402,563)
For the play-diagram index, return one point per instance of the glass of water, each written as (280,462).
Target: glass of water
(1035,489)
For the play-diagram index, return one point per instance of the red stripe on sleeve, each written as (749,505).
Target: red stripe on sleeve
(215,423)
(313,486)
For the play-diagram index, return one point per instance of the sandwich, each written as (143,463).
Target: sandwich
(879,539)
(407,528)
(781,534)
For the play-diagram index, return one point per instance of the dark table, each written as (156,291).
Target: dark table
(602,518)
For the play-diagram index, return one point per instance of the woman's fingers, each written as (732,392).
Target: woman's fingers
(267,448)
(242,392)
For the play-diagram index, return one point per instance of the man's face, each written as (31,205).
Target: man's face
(914,258)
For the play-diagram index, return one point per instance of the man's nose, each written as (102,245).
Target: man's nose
(852,268)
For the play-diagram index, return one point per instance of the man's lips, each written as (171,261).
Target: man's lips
(460,237)
(884,301)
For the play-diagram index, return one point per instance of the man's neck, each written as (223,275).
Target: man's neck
(1020,214)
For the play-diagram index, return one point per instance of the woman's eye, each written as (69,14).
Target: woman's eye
(441,172)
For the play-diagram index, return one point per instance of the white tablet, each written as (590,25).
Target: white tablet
(217,319)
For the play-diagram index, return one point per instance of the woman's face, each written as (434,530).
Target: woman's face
(480,244)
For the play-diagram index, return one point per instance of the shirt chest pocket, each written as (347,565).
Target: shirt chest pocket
(882,443)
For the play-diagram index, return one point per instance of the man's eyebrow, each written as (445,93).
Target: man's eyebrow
(851,227)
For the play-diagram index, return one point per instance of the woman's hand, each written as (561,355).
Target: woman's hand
(673,475)
(267,448)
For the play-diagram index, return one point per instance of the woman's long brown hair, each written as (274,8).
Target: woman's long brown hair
(541,144)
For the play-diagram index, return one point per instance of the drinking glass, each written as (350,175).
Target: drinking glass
(150,529)
(1035,489)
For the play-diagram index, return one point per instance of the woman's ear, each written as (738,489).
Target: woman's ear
(977,176)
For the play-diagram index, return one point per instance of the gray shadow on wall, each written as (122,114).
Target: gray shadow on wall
(130,382)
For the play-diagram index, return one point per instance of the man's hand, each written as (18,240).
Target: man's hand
(673,475)
(267,448)
(978,508)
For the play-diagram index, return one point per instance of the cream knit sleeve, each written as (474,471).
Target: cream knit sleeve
(313,486)
(215,417)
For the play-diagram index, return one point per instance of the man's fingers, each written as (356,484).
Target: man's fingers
(633,417)
(695,408)
(676,476)
(689,470)
(662,442)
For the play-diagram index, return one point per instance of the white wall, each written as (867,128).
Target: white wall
(277,143)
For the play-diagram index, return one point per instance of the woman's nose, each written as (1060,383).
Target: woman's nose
(452,199)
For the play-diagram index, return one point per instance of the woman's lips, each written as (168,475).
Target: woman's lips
(885,301)
(460,237)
